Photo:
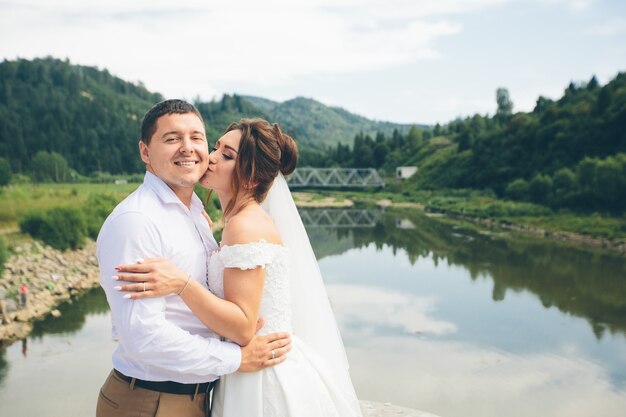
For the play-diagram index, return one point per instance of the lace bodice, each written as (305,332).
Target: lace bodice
(276,299)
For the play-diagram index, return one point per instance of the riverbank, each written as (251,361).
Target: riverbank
(563,236)
(51,276)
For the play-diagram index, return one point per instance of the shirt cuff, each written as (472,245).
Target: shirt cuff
(232,358)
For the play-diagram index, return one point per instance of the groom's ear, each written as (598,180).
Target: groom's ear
(144,152)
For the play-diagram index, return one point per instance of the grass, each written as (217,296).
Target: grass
(19,199)
(485,205)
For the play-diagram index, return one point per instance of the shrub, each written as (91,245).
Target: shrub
(97,208)
(20,179)
(61,227)
(517,190)
(32,223)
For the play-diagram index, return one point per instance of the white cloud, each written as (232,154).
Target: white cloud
(448,378)
(189,50)
(400,59)
(575,5)
(373,308)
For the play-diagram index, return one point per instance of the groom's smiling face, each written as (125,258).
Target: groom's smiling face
(178,152)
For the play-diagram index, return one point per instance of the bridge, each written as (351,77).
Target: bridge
(339,217)
(335,178)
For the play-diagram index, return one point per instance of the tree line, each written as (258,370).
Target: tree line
(63,122)
(565,153)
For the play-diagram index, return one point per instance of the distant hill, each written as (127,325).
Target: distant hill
(318,124)
(92,118)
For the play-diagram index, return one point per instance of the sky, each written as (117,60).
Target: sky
(406,61)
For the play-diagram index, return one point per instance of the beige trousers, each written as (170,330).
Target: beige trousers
(118,399)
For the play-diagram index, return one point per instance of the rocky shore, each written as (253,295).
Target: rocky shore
(571,237)
(51,276)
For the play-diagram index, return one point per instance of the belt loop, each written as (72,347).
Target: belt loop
(193,397)
(132,383)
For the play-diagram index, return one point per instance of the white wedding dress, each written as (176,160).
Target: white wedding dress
(304,385)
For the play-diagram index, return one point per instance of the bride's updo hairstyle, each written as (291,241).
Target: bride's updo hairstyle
(264,151)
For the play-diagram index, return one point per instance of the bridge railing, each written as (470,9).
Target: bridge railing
(339,218)
(335,178)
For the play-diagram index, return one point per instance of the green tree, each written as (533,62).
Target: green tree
(540,188)
(610,181)
(517,190)
(586,172)
(380,154)
(50,167)
(593,83)
(564,181)
(363,153)
(505,105)
(5,172)
(414,139)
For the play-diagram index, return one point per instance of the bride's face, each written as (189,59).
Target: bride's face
(222,163)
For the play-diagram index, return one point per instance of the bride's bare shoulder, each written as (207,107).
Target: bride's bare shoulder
(252,225)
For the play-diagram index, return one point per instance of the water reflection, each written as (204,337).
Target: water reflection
(435,315)
(374,311)
(454,379)
(73,314)
(584,282)
(66,357)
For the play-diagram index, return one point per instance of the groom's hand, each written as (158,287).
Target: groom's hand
(264,351)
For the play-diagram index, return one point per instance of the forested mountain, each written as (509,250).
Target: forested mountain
(318,124)
(52,110)
(569,152)
(87,115)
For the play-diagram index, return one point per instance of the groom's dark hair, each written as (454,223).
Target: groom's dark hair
(173,106)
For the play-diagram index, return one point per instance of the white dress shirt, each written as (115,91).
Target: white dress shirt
(159,338)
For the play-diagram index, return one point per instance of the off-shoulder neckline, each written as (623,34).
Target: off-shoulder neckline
(258,242)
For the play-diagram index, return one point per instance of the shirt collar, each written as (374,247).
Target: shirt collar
(166,194)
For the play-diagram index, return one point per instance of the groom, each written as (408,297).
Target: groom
(167,361)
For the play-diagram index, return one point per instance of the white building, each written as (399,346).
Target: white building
(403,173)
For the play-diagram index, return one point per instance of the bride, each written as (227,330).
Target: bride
(265,268)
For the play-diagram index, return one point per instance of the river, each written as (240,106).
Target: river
(435,314)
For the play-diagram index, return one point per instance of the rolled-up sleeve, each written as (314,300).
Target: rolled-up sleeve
(147,340)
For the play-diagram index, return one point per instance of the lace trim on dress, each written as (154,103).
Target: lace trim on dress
(249,255)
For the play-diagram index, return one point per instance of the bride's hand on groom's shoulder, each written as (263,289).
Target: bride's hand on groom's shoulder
(149,278)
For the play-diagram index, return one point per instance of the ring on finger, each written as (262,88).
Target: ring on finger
(144,287)
(273,354)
